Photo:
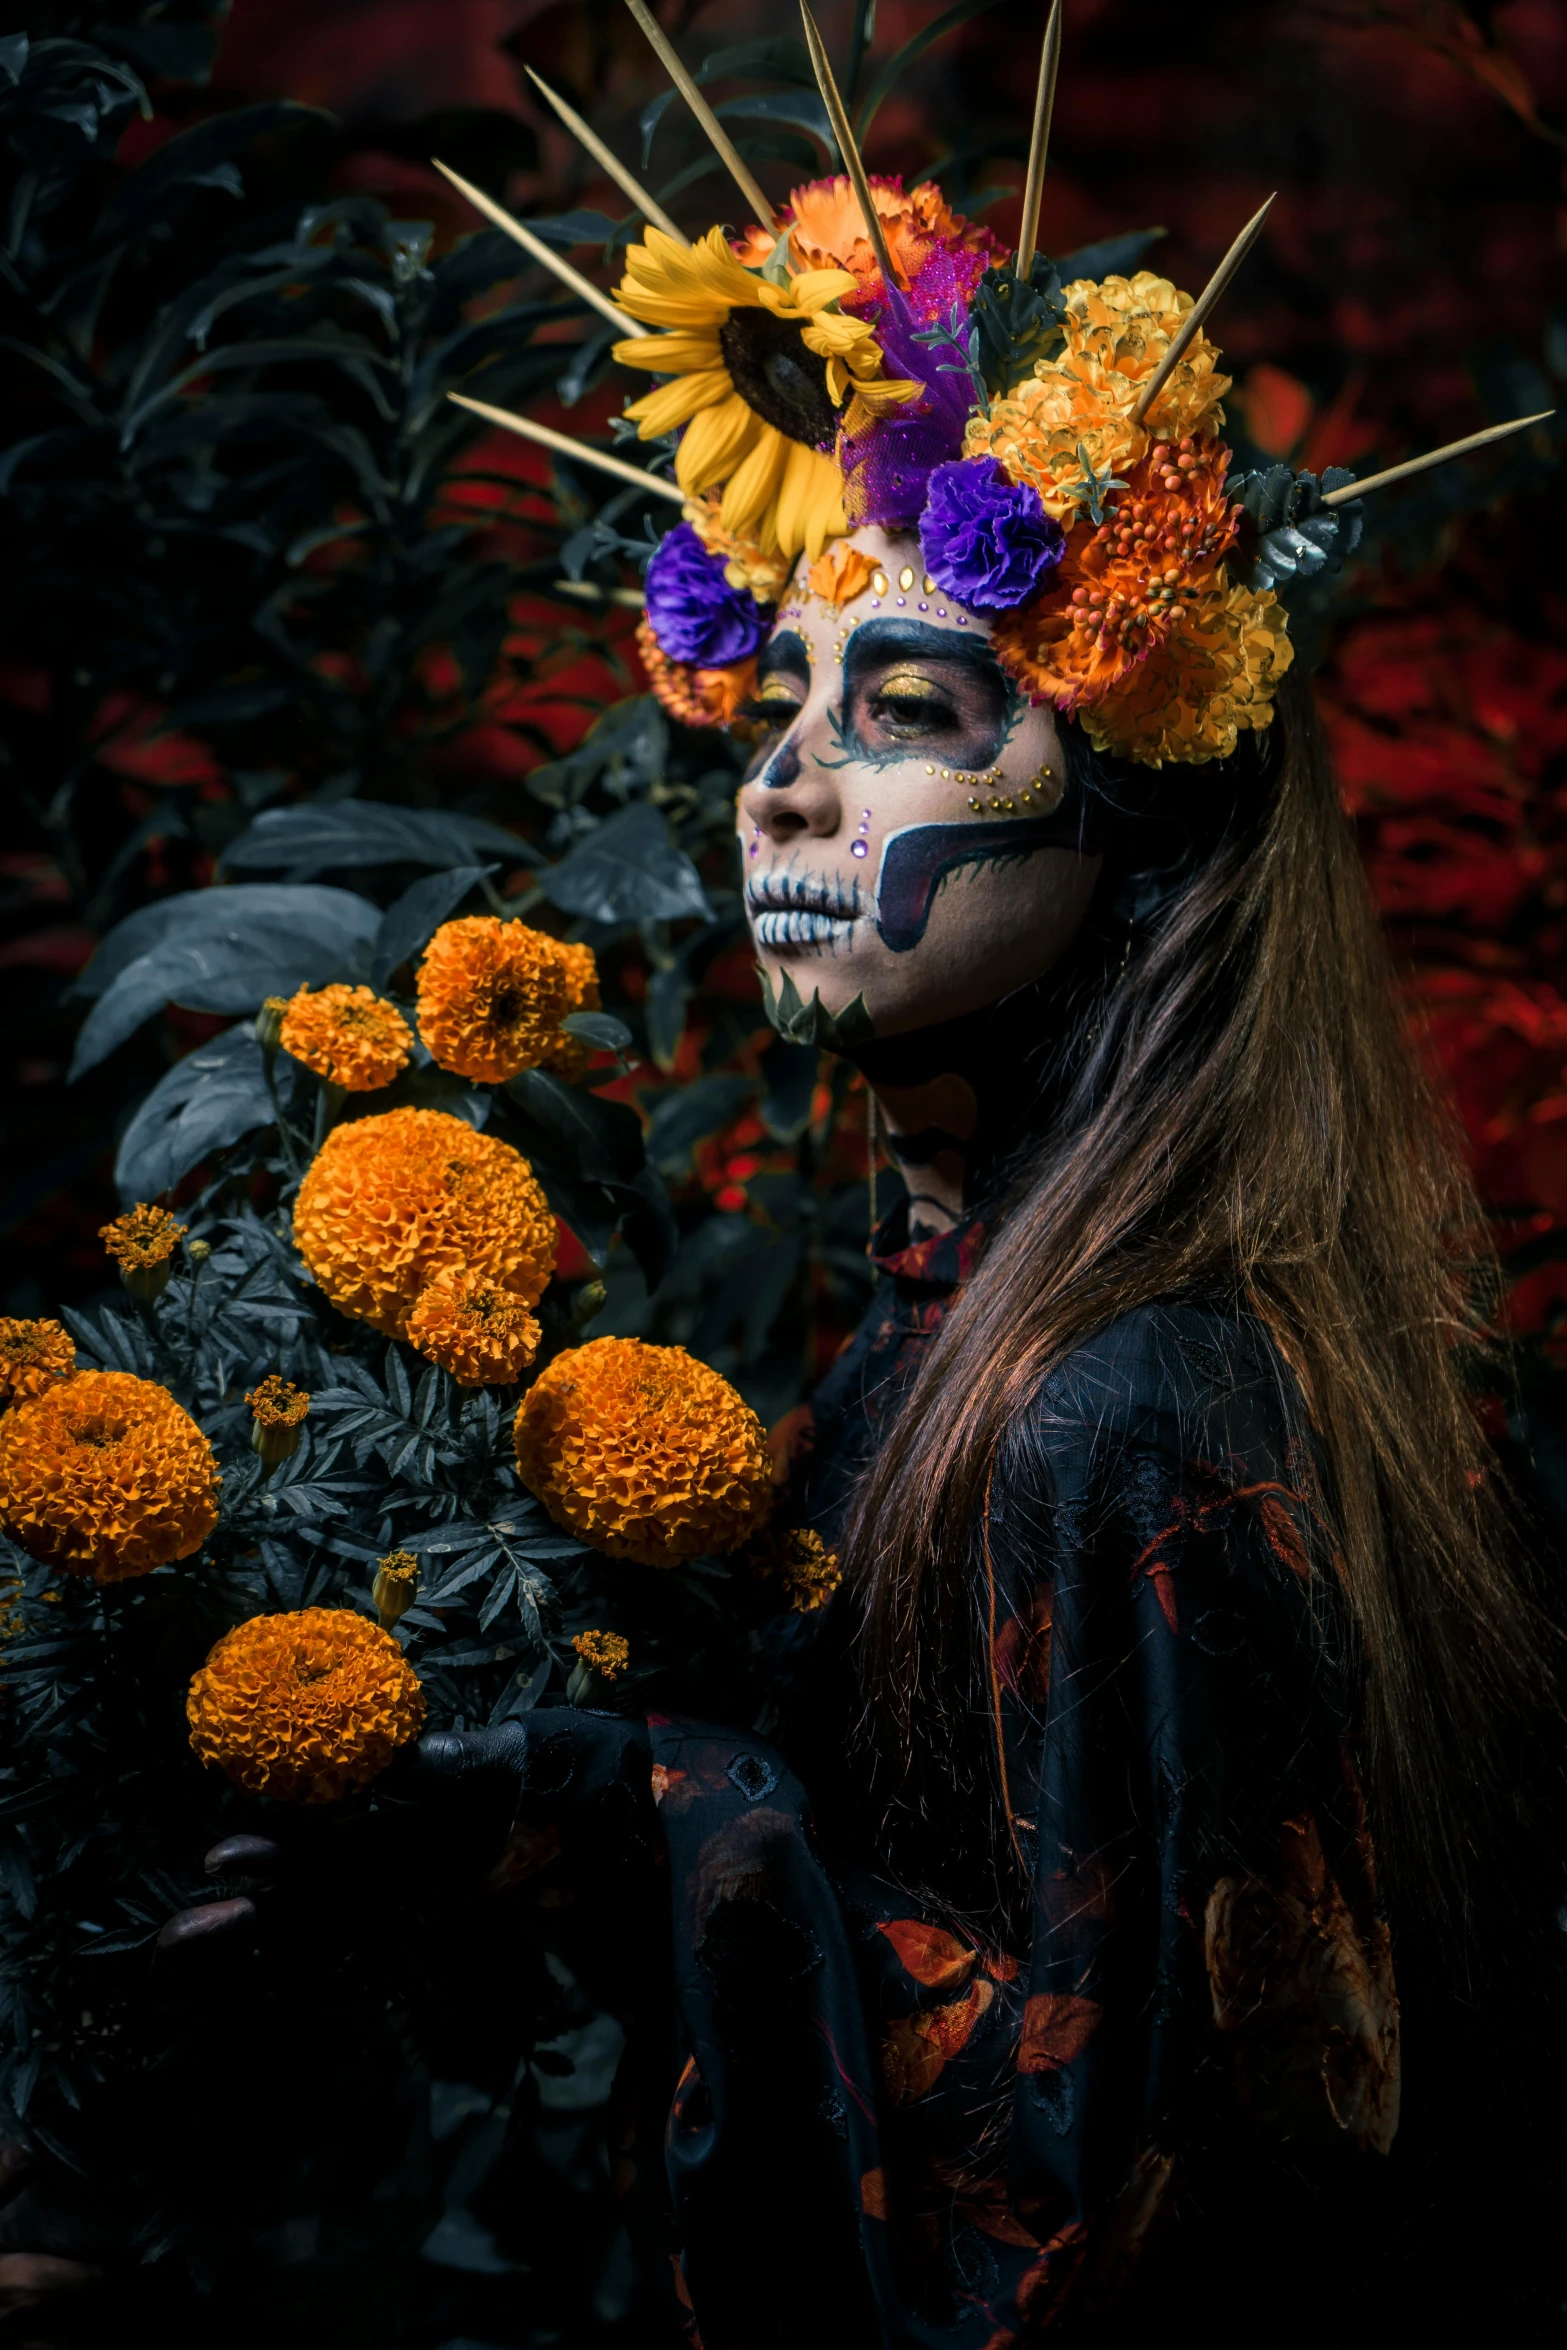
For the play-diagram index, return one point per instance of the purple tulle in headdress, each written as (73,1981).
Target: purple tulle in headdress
(887,470)
(694,612)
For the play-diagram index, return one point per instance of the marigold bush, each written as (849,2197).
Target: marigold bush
(474,1329)
(105,1475)
(305,1706)
(348,1035)
(491,998)
(644,1452)
(34,1356)
(389,1202)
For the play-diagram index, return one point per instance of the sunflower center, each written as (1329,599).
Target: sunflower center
(777,377)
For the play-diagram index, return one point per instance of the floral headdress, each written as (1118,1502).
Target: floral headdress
(874,358)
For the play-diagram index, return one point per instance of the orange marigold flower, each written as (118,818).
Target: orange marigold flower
(302,1707)
(491,994)
(1076,410)
(144,1236)
(348,1035)
(603,1652)
(568,1056)
(797,1555)
(697,697)
(481,1334)
(277,1403)
(105,1475)
(1125,588)
(745,565)
(391,1201)
(33,1356)
(839,575)
(1195,694)
(644,1452)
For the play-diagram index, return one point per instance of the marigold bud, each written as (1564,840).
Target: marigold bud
(198,1251)
(603,1656)
(269,1024)
(396,1586)
(279,1411)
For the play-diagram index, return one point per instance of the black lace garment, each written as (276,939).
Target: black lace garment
(882,2123)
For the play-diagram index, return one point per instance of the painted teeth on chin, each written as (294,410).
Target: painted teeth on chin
(798,926)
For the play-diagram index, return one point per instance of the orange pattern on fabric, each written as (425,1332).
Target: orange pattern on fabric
(916,2049)
(1057,2026)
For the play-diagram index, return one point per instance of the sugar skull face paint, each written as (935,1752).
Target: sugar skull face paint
(905,832)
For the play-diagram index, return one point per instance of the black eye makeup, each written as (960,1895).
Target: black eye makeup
(783,679)
(908,688)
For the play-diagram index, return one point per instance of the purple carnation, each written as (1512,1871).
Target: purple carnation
(695,614)
(987,541)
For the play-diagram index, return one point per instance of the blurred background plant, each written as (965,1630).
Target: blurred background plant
(278,616)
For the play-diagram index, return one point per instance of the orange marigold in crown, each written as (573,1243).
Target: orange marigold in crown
(304,1707)
(347,1035)
(389,1202)
(644,1452)
(106,1475)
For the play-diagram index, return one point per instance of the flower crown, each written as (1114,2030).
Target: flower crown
(873,358)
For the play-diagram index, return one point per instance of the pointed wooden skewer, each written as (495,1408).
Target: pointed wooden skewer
(724,145)
(1200,309)
(1039,143)
(581,451)
(838,117)
(545,255)
(1412,465)
(608,161)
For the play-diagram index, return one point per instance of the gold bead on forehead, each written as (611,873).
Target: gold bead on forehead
(906,577)
(878,583)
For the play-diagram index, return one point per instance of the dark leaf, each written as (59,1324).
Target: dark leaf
(683,1117)
(207,1101)
(629,870)
(314,839)
(411,920)
(592,1137)
(1110,257)
(789,1072)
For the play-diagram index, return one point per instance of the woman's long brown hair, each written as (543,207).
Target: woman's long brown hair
(1253,1120)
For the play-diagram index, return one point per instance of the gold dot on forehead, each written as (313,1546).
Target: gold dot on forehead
(927,585)
(878,583)
(906,577)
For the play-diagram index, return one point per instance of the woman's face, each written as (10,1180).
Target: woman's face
(901,830)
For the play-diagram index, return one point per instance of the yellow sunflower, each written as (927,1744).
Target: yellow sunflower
(759,372)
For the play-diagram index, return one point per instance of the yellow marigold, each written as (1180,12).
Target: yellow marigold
(303,1707)
(839,575)
(644,1452)
(1079,406)
(277,1403)
(491,994)
(348,1035)
(745,565)
(797,1555)
(143,1236)
(1192,697)
(697,697)
(105,1475)
(603,1652)
(33,1356)
(567,1056)
(481,1334)
(389,1202)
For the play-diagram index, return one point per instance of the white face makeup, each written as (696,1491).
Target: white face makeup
(895,825)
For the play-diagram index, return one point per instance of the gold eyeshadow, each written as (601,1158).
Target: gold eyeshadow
(777,689)
(907,685)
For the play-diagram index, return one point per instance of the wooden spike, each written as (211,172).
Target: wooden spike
(647,205)
(1200,309)
(1412,465)
(545,255)
(1039,144)
(582,451)
(837,115)
(760,208)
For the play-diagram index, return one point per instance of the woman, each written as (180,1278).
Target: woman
(1047,1918)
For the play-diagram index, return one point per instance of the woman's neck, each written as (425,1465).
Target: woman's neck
(956,1099)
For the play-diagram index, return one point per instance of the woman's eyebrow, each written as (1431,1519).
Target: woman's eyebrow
(876,642)
(785,651)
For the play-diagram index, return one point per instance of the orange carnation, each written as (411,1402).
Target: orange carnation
(389,1202)
(302,1707)
(697,697)
(33,1356)
(491,994)
(644,1452)
(827,227)
(1128,587)
(105,1475)
(474,1330)
(348,1035)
